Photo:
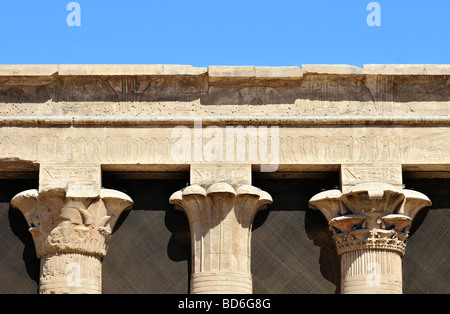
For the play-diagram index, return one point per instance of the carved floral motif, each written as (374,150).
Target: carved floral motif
(370,215)
(62,224)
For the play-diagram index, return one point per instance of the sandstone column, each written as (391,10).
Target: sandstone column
(71,228)
(220,217)
(370,224)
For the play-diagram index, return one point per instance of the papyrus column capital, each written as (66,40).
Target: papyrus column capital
(220,217)
(221,201)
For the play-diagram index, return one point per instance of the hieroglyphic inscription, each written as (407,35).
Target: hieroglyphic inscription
(296,145)
(325,92)
(212,173)
(93,148)
(335,147)
(355,174)
(79,177)
(384,99)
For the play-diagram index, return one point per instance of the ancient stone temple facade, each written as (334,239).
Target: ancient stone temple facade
(244,175)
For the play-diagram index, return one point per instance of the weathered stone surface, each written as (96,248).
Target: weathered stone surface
(29,70)
(331,69)
(231,71)
(282,73)
(127,69)
(220,218)
(53,214)
(355,174)
(406,69)
(71,233)
(208,174)
(370,224)
(79,180)
(180,91)
(297,148)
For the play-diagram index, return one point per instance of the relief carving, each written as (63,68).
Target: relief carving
(305,146)
(354,174)
(209,174)
(61,176)
(77,219)
(142,96)
(370,224)
(70,231)
(369,214)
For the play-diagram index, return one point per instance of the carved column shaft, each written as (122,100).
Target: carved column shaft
(220,219)
(370,224)
(71,235)
(371,271)
(70,273)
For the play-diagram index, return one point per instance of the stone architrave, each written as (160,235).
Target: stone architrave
(370,224)
(71,233)
(220,217)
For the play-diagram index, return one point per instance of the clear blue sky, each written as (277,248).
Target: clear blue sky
(225,32)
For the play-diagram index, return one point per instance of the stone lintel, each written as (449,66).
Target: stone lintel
(234,174)
(352,174)
(78,180)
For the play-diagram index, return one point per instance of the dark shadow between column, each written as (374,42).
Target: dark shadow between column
(317,230)
(179,246)
(19,227)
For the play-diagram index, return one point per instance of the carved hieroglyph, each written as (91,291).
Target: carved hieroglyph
(220,218)
(296,145)
(353,174)
(71,234)
(370,224)
(234,174)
